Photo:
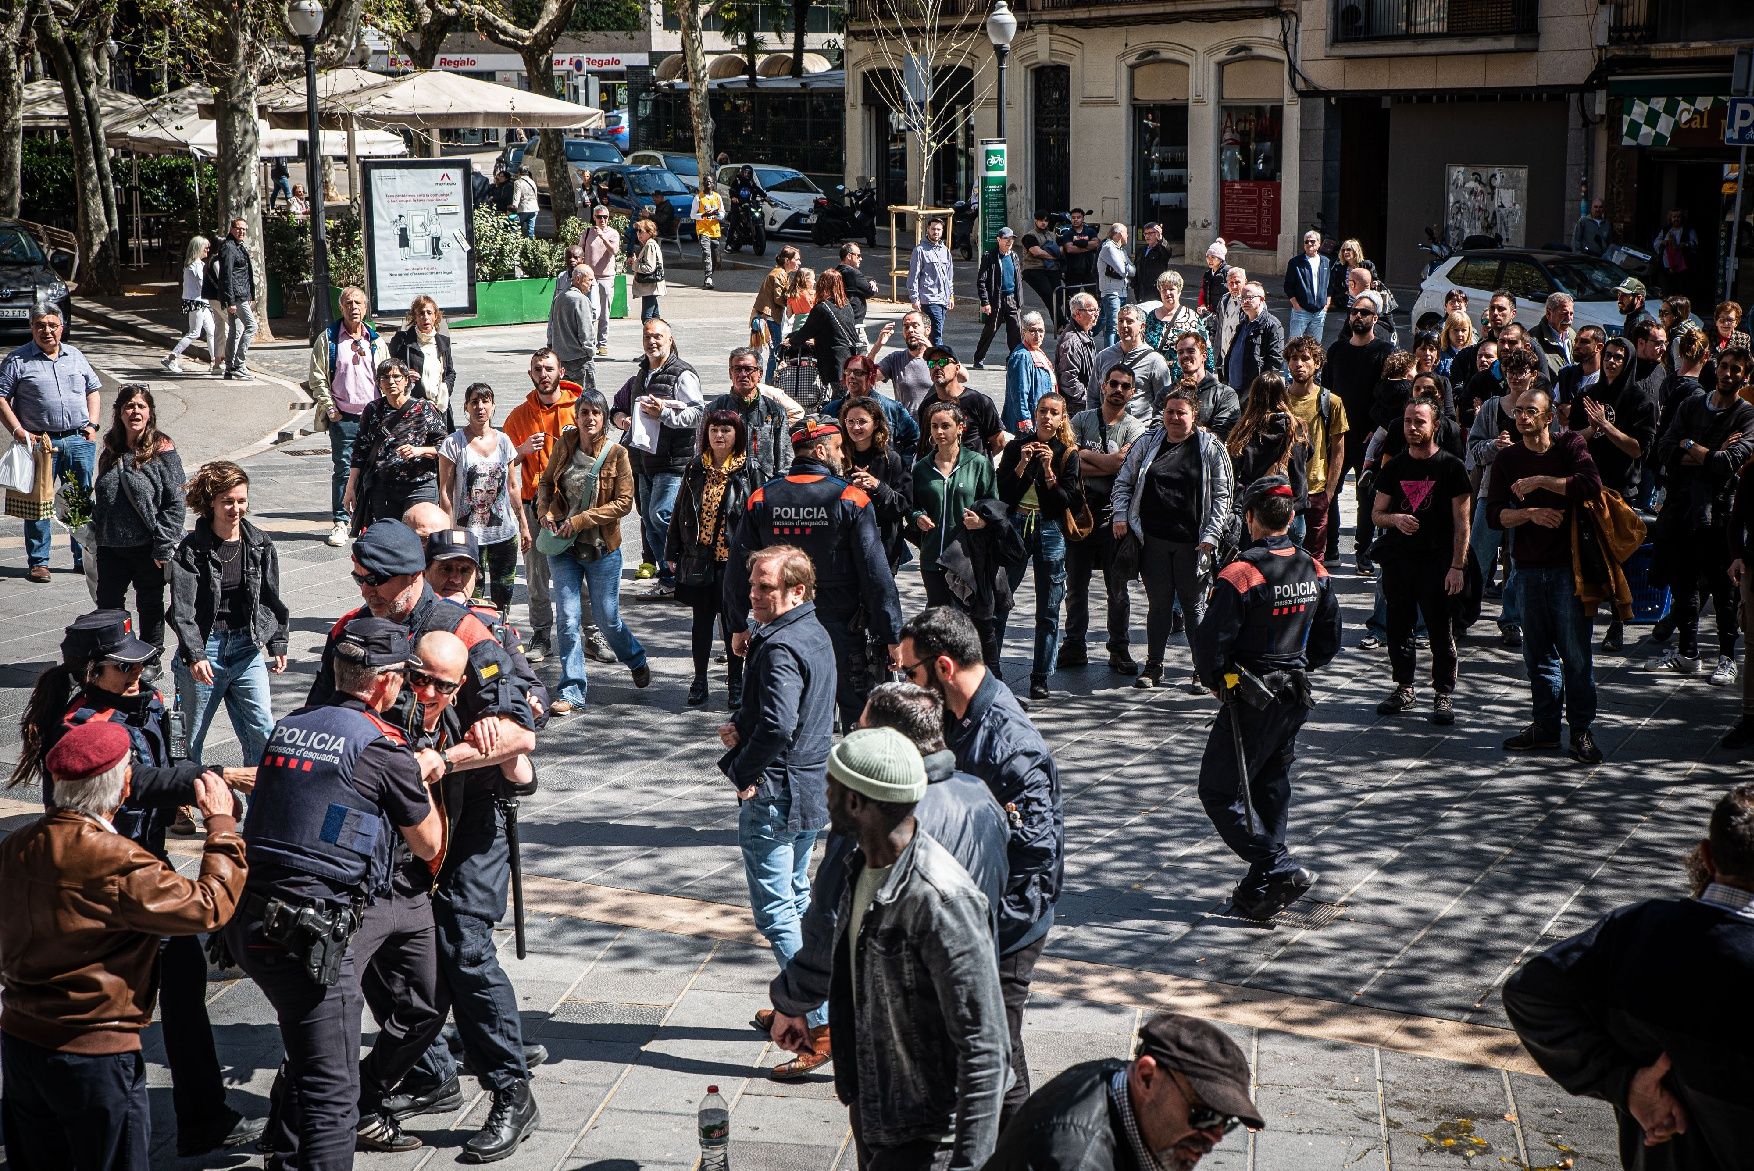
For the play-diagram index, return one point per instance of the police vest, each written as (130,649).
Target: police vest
(305,814)
(816,512)
(149,737)
(1281,589)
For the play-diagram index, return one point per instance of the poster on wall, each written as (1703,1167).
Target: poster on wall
(419,234)
(1488,201)
(1248,213)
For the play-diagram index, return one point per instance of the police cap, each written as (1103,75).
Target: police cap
(374,642)
(104,634)
(452,544)
(1264,487)
(389,547)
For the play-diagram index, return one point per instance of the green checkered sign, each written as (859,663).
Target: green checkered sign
(1652,121)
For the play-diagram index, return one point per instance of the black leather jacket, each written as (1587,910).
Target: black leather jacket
(1069,1122)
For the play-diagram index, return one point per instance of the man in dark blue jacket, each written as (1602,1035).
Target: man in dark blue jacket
(958,812)
(994,740)
(1647,1010)
(777,748)
(1309,280)
(835,523)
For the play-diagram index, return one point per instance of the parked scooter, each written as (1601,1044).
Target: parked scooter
(847,215)
(1437,249)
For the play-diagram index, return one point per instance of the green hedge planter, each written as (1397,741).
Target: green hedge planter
(511,302)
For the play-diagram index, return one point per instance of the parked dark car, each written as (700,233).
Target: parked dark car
(30,277)
(583,155)
(628,188)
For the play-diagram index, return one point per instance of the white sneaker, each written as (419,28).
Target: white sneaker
(337,538)
(170,362)
(1677,662)
(1725,673)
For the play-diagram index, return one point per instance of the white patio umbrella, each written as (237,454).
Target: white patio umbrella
(45,106)
(433,100)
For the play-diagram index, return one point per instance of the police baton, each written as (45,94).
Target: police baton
(508,805)
(1233,701)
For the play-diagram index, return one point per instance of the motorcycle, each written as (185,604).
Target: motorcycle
(847,215)
(1438,250)
(747,226)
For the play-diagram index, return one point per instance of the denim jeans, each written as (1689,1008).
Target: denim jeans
(527,223)
(603,578)
(1307,321)
(657,504)
(649,308)
(77,454)
(776,861)
(536,581)
(1556,648)
(1105,324)
(1046,543)
(935,313)
(1485,541)
(240,679)
(240,331)
(342,433)
(769,329)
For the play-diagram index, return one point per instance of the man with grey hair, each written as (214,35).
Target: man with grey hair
(1228,315)
(49,398)
(1114,280)
(1307,279)
(1553,335)
(572,329)
(342,382)
(237,292)
(1259,345)
(80,930)
(1075,354)
(1151,375)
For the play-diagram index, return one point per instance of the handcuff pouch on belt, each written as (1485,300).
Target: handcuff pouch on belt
(1263,691)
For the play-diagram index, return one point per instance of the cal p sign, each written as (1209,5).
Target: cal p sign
(1739,123)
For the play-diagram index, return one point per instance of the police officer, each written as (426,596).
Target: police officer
(814,508)
(336,783)
(100,678)
(1273,616)
(469,897)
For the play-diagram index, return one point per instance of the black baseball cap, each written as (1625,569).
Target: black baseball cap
(940,350)
(375,642)
(452,544)
(1213,1064)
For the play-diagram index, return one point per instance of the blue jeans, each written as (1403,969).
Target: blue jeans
(527,223)
(1046,543)
(769,329)
(1556,648)
(342,433)
(240,679)
(77,454)
(1307,321)
(649,308)
(935,314)
(776,862)
(603,577)
(1485,541)
(1105,325)
(657,504)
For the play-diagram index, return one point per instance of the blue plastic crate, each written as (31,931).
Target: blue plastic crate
(1650,602)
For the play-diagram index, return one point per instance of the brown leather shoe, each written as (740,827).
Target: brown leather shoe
(39,574)
(763,1022)
(805,1064)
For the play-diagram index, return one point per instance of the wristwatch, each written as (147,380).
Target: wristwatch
(1688,445)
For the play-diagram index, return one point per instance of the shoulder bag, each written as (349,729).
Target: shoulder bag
(1080,523)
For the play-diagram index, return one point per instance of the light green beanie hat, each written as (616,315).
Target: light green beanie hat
(879,763)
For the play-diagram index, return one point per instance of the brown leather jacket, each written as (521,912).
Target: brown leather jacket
(81,922)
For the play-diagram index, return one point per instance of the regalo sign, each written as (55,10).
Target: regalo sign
(512,63)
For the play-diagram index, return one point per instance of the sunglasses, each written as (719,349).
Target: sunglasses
(418,678)
(1119,384)
(372,579)
(1206,1118)
(937,363)
(358,353)
(1361,312)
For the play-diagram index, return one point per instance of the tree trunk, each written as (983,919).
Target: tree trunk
(563,195)
(800,26)
(99,246)
(237,170)
(11,129)
(700,110)
(423,44)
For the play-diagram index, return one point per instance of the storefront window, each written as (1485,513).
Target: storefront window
(1160,169)
(1249,152)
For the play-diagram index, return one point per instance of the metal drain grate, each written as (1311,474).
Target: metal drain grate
(1306,914)
(304,451)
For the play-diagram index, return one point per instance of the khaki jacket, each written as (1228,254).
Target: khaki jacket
(614,494)
(80,926)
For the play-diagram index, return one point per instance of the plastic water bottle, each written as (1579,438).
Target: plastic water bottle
(715,1132)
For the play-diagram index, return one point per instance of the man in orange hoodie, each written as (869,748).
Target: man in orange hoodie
(534,426)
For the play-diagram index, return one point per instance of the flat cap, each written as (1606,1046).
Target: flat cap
(1211,1062)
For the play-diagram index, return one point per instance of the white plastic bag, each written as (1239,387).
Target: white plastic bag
(18,468)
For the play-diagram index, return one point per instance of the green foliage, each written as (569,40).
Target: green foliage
(607,16)
(167,186)
(499,245)
(346,249)
(286,242)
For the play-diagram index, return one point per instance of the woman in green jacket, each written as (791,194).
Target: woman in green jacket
(948,479)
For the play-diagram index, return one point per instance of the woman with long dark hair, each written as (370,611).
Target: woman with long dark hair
(396,457)
(1038,478)
(228,613)
(1268,440)
(715,489)
(136,510)
(874,465)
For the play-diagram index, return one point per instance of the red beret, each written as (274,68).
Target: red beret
(88,750)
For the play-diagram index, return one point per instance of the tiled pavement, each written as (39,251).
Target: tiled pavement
(1378,1039)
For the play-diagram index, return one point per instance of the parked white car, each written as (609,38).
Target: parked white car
(1533,275)
(791,196)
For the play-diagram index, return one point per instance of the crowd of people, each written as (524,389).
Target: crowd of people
(1195,447)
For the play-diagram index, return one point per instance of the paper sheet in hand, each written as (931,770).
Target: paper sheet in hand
(645,430)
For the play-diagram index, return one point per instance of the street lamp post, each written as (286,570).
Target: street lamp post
(305,19)
(1001,27)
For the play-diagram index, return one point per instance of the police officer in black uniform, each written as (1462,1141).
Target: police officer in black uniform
(1273,617)
(337,782)
(469,897)
(835,522)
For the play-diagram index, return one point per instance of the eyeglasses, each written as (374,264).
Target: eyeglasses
(418,678)
(937,363)
(745,369)
(1528,412)
(1119,384)
(908,669)
(1206,1118)
(371,579)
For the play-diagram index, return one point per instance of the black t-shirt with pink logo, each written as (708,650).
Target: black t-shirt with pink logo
(1425,489)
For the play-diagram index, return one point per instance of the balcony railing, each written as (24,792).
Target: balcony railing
(911,11)
(1644,22)
(1393,20)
